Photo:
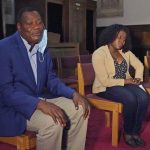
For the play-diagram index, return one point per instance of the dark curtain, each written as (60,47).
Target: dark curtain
(54,17)
(89,31)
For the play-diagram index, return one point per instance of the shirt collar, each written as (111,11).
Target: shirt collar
(27,45)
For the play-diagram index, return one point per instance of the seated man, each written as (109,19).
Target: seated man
(26,69)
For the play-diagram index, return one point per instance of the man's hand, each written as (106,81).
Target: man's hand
(54,111)
(80,100)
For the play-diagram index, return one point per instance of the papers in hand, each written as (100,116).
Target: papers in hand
(141,86)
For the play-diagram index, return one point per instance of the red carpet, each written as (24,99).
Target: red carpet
(99,137)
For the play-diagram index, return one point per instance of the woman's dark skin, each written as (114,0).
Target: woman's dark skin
(114,48)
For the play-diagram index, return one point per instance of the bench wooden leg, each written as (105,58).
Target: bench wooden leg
(107,119)
(21,144)
(115,128)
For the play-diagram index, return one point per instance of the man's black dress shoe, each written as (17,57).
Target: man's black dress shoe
(139,141)
(129,140)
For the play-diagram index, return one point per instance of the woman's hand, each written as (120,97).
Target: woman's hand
(135,81)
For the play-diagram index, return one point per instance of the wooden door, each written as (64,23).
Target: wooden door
(77,23)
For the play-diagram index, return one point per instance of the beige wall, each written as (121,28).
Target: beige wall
(136,12)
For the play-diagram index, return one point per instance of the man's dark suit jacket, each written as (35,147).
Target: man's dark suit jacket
(19,93)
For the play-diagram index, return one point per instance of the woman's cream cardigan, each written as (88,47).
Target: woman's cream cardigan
(103,64)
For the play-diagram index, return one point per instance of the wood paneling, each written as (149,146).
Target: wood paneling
(74,21)
(63,49)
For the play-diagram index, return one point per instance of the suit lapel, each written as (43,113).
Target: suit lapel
(40,61)
(25,58)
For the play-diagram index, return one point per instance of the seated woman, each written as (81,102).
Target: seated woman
(111,63)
